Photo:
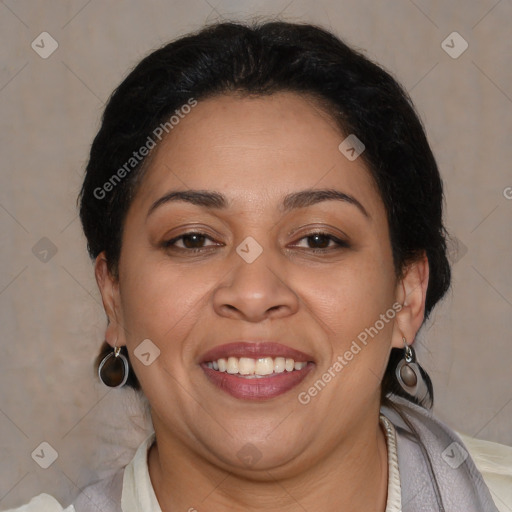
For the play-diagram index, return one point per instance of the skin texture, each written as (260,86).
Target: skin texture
(329,454)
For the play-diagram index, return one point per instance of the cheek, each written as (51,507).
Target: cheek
(156,298)
(354,306)
(351,297)
(163,307)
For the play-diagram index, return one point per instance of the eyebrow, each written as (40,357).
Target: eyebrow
(313,196)
(218,201)
(203,198)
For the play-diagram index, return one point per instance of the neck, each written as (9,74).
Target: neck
(352,477)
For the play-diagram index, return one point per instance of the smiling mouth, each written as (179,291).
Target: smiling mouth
(255,370)
(250,368)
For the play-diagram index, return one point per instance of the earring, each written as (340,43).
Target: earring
(409,375)
(114,369)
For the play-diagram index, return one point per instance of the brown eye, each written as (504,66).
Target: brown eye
(318,241)
(321,242)
(193,240)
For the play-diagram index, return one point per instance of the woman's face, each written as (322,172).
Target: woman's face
(256,262)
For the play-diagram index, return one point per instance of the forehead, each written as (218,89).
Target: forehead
(256,149)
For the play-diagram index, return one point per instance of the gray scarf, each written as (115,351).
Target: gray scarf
(436,473)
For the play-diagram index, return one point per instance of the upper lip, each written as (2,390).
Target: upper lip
(254,350)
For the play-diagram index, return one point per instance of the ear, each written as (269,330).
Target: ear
(109,289)
(411,292)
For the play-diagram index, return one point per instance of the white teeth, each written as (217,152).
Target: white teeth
(232,366)
(254,368)
(279,364)
(264,366)
(246,366)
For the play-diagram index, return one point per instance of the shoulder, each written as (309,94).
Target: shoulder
(42,503)
(104,495)
(494,461)
(126,485)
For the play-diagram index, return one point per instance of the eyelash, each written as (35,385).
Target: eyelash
(340,244)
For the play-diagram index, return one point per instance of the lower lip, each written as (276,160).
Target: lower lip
(261,388)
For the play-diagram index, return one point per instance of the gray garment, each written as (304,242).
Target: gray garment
(436,473)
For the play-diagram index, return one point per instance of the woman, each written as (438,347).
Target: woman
(265,216)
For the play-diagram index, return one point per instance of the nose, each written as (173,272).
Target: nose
(255,291)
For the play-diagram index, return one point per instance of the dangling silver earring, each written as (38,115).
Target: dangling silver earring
(114,369)
(409,376)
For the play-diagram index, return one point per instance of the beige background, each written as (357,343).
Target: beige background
(52,321)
